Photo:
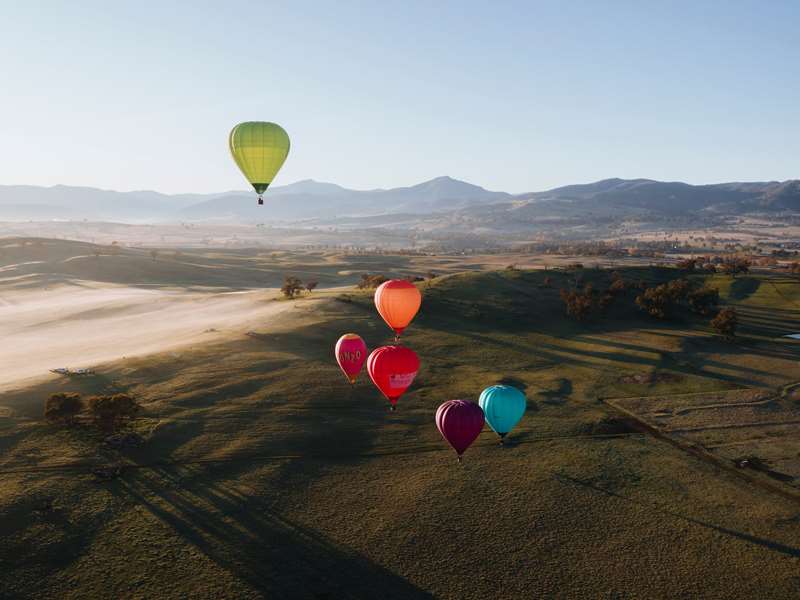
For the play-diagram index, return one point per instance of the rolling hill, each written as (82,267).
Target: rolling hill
(265,474)
(443,199)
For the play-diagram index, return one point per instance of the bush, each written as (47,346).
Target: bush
(725,323)
(291,287)
(311,285)
(63,407)
(111,412)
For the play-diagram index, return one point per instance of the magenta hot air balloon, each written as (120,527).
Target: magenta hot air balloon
(351,352)
(459,422)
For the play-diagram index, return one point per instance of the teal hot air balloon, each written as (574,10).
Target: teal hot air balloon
(503,406)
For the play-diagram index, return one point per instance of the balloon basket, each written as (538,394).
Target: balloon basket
(459,459)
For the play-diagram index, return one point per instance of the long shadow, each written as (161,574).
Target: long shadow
(763,542)
(248,537)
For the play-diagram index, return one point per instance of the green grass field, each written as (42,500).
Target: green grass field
(265,474)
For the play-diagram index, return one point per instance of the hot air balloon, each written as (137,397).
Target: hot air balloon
(392,369)
(459,422)
(259,150)
(397,301)
(503,406)
(351,352)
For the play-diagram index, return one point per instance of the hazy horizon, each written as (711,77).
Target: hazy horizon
(515,98)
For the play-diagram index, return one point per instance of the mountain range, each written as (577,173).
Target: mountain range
(314,201)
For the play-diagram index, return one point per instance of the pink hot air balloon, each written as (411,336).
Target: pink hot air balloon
(351,352)
(459,422)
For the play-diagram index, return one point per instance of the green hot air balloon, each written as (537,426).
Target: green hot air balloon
(259,149)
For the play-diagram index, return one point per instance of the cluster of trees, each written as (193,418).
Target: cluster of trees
(733,265)
(369,282)
(659,301)
(293,286)
(582,302)
(106,412)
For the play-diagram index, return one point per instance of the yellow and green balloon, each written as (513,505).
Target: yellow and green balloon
(259,149)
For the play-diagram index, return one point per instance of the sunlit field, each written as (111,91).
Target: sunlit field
(260,472)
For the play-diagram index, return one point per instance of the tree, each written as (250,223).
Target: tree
(605,302)
(63,407)
(111,412)
(311,285)
(371,281)
(618,286)
(678,289)
(687,264)
(704,300)
(658,301)
(292,286)
(578,304)
(725,323)
(154,254)
(734,265)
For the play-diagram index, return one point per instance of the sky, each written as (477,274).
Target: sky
(513,96)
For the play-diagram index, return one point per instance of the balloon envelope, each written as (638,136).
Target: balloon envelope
(397,301)
(503,406)
(459,422)
(259,150)
(351,352)
(392,369)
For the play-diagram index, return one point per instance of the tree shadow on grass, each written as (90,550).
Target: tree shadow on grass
(559,395)
(763,542)
(247,537)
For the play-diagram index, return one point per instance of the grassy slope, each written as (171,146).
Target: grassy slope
(265,473)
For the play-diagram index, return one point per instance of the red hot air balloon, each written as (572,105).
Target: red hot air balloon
(351,352)
(459,422)
(392,369)
(397,301)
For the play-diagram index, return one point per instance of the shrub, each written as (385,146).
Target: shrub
(311,285)
(725,323)
(63,407)
(111,412)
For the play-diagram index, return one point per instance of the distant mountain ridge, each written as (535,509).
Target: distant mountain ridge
(309,199)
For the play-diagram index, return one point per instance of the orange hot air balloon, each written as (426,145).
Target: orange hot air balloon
(397,301)
(351,352)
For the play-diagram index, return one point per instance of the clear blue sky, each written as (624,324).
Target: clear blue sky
(516,96)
